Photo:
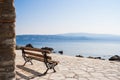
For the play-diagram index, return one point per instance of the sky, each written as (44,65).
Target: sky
(67,16)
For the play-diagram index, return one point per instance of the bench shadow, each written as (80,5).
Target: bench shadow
(35,73)
(21,76)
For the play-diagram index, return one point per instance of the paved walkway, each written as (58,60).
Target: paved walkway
(69,68)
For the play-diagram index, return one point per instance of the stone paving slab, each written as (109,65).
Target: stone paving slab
(69,68)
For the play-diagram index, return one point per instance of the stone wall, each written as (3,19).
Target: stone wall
(7,40)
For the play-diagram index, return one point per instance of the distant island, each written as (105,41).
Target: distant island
(69,36)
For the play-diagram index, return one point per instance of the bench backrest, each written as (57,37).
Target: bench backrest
(35,52)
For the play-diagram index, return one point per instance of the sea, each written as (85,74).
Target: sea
(73,47)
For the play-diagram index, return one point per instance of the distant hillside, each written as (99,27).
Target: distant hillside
(46,38)
(88,35)
(93,36)
(66,37)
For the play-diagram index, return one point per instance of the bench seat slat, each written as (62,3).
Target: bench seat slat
(42,59)
(36,58)
(36,49)
(35,54)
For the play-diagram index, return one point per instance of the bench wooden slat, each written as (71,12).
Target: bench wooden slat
(36,49)
(42,59)
(36,58)
(35,54)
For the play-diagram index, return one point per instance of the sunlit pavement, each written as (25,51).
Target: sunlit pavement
(69,68)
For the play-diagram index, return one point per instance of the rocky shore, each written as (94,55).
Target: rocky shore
(69,68)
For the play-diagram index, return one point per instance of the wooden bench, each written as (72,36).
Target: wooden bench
(30,54)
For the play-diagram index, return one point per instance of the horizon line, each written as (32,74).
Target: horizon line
(71,33)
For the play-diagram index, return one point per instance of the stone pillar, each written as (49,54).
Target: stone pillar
(7,40)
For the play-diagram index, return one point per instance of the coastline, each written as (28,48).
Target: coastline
(69,68)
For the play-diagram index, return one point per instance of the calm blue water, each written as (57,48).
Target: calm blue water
(82,47)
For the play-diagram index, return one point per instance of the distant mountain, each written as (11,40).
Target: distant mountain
(93,36)
(48,38)
(66,37)
(88,35)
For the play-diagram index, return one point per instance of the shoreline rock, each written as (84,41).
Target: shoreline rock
(60,52)
(80,56)
(29,45)
(114,58)
(47,48)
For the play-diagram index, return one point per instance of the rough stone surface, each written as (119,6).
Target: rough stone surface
(69,68)
(7,11)
(7,40)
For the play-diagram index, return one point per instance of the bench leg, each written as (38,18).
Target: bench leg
(31,62)
(24,63)
(28,60)
(46,71)
(50,66)
(53,66)
(54,69)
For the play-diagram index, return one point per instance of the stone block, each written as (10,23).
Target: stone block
(7,76)
(7,11)
(6,63)
(7,55)
(1,1)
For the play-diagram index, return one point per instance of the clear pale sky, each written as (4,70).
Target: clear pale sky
(67,16)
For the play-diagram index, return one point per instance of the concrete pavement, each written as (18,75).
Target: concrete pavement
(69,68)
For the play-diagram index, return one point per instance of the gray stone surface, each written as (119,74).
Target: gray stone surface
(69,68)
(7,40)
